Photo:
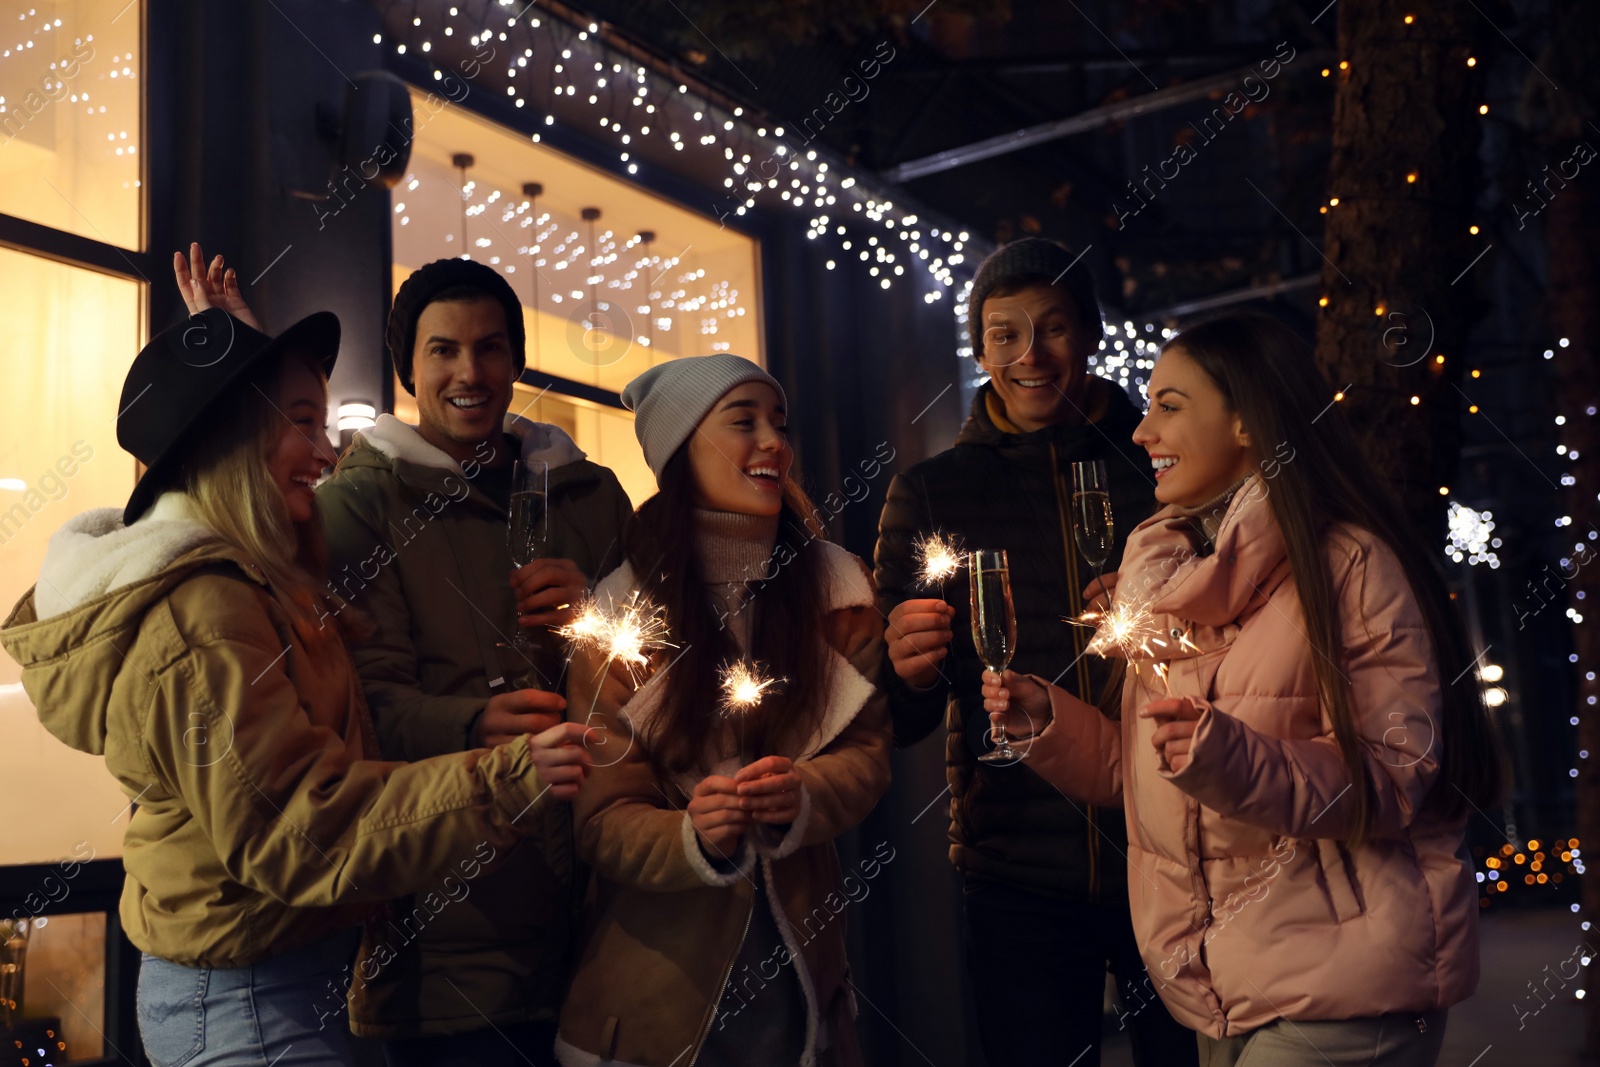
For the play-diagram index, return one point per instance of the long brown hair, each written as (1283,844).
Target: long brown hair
(223,470)
(1268,376)
(785,635)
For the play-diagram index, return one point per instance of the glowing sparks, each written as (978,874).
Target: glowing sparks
(1161,672)
(1125,626)
(743,686)
(626,634)
(938,557)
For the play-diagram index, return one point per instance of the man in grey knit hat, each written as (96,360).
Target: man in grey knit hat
(1046,896)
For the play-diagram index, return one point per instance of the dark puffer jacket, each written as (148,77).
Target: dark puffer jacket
(1011,490)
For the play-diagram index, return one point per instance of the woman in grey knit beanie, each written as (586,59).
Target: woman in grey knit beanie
(709,818)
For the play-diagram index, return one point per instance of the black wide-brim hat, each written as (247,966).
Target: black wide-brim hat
(180,374)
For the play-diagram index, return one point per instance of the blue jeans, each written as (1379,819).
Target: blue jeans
(247,1016)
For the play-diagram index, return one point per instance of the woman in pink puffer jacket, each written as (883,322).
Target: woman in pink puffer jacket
(1296,767)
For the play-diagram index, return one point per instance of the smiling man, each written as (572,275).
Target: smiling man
(416,520)
(1045,880)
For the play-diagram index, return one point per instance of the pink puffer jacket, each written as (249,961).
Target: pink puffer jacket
(1247,906)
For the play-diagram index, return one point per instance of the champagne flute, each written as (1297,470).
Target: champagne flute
(528,528)
(994,630)
(528,538)
(1092,525)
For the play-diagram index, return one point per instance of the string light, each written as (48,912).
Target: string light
(809,184)
(1471,536)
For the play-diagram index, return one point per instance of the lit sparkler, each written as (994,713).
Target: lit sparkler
(626,633)
(939,556)
(743,686)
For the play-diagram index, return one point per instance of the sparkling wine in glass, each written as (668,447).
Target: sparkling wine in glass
(994,629)
(528,537)
(529,527)
(1092,524)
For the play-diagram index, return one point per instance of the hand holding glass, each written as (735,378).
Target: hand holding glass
(994,629)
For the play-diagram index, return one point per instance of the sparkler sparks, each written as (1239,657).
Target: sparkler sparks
(1126,626)
(938,557)
(627,634)
(743,686)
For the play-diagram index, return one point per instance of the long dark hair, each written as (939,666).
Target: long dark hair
(785,633)
(1269,377)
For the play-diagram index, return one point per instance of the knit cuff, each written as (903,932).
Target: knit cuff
(719,872)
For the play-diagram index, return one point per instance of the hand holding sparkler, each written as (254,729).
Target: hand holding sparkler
(1177,719)
(919,631)
(716,813)
(769,789)
(625,634)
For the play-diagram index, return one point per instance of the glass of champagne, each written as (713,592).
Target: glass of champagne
(1092,525)
(528,537)
(994,629)
(529,526)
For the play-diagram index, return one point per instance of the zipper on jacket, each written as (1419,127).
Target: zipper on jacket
(1074,589)
(705,1031)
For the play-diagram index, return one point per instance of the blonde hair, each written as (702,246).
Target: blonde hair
(226,477)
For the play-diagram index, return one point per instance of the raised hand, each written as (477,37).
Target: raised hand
(919,639)
(769,790)
(216,286)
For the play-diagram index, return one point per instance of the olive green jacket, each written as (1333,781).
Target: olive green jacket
(416,544)
(262,820)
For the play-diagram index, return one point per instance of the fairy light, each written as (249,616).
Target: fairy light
(1471,536)
(791,176)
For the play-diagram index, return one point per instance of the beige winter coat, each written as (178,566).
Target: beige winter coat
(665,926)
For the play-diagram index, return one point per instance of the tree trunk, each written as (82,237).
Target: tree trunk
(1405,174)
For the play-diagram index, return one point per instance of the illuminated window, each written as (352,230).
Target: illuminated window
(600,303)
(71,150)
(59,456)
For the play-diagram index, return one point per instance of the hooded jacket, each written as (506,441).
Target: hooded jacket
(262,819)
(665,925)
(1247,904)
(999,487)
(415,542)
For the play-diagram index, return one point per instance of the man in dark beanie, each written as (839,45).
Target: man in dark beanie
(416,522)
(1046,893)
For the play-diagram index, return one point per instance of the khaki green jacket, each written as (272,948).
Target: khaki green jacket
(418,546)
(263,821)
(664,925)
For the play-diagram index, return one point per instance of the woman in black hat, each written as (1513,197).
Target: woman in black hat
(188,638)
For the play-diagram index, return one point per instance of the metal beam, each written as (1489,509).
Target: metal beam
(1091,119)
(1237,296)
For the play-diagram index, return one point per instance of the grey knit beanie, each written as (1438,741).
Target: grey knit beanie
(669,400)
(1033,258)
